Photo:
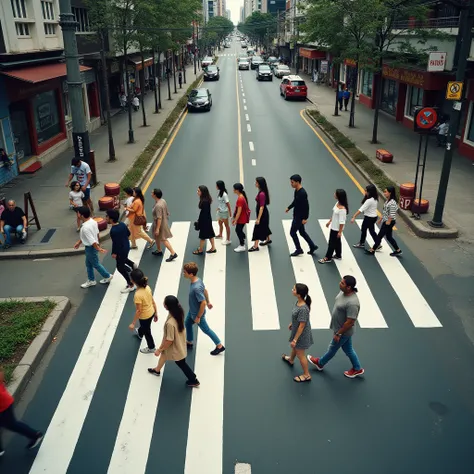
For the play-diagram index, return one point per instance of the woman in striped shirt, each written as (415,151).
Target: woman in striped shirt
(388,219)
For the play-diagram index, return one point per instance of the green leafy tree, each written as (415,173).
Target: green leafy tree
(259,27)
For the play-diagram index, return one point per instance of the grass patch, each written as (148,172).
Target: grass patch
(20,323)
(133,175)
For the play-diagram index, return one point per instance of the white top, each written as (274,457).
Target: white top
(222,202)
(443,129)
(338,217)
(76,197)
(89,233)
(135,102)
(81,173)
(128,203)
(369,208)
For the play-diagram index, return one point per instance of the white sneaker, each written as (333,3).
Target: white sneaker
(240,248)
(104,281)
(138,334)
(23,234)
(128,289)
(135,266)
(89,283)
(2,453)
(226,242)
(147,350)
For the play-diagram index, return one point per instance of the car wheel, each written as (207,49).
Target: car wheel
(286,98)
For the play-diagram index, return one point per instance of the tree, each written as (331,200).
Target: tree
(259,27)
(216,29)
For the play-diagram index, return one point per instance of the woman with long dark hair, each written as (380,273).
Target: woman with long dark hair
(241,215)
(173,345)
(387,221)
(369,209)
(261,230)
(137,220)
(301,337)
(204,222)
(336,225)
(223,211)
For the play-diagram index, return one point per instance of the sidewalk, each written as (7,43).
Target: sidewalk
(47,188)
(403,143)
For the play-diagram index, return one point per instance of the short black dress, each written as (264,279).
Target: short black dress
(262,230)
(206,231)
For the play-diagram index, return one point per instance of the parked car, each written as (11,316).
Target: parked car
(281,70)
(264,73)
(293,87)
(255,62)
(211,73)
(199,99)
(242,56)
(271,60)
(244,64)
(226,45)
(250,52)
(243,44)
(207,61)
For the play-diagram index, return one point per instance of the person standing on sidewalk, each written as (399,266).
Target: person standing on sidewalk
(261,230)
(173,345)
(369,209)
(89,237)
(346,95)
(83,174)
(340,97)
(198,300)
(344,316)
(180,79)
(119,234)
(300,205)
(336,225)
(241,215)
(223,212)
(204,222)
(145,310)
(137,219)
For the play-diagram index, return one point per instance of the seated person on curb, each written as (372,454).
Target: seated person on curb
(13,220)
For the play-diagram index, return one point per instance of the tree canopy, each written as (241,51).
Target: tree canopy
(259,27)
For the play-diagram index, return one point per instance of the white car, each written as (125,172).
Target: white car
(244,64)
(207,61)
(243,44)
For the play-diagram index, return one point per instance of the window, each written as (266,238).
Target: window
(45,109)
(48,10)
(470,130)
(367,80)
(415,99)
(22,29)
(19,8)
(49,29)
(82,19)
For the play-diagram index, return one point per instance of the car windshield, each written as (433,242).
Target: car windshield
(283,68)
(297,83)
(198,93)
(257,60)
(212,68)
(207,59)
(243,61)
(264,67)
(272,59)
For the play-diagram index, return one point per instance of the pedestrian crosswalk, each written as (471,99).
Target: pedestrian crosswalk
(204,447)
(225,55)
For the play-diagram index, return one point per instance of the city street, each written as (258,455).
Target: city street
(411,412)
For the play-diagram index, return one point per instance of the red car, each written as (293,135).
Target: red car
(293,87)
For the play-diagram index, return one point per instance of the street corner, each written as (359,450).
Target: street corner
(422,228)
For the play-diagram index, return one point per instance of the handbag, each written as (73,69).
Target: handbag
(139,220)
(196,225)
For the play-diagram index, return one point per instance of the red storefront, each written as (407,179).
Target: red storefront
(310,58)
(466,129)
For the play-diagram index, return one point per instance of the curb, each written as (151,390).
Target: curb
(30,361)
(420,228)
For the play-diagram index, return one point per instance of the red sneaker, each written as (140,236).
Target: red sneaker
(352,374)
(314,361)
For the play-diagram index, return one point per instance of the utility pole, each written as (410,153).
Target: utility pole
(195,49)
(80,134)
(466,24)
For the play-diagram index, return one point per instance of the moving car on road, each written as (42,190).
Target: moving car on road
(207,61)
(256,61)
(243,44)
(211,73)
(281,70)
(293,87)
(241,56)
(244,64)
(199,99)
(271,60)
(264,73)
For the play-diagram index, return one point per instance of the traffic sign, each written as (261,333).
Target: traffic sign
(425,119)
(454,90)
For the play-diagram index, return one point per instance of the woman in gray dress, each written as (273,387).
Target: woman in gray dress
(161,228)
(301,337)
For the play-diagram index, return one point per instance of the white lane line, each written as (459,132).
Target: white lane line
(242,468)
(408,293)
(60,440)
(247,118)
(42,259)
(245,107)
(131,451)
(243,95)
(254,162)
(205,432)
(245,101)
(252,148)
(370,315)
(249,129)
(262,290)
(305,272)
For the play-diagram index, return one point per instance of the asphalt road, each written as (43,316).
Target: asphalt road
(413,410)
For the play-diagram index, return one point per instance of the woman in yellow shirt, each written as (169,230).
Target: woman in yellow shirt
(145,310)
(137,209)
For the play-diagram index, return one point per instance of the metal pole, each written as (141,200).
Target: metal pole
(418,163)
(195,48)
(466,24)
(80,134)
(423,171)
(174,72)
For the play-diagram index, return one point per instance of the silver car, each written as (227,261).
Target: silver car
(244,64)
(281,70)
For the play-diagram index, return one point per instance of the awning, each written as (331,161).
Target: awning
(311,53)
(42,73)
(137,60)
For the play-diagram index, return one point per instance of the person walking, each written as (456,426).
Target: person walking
(198,300)
(83,174)
(388,221)
(369,209)
(223,212)
(137,220)
(119,234)
(300,205)
(128,202)
(261,230)
(145,310)
(204,222)
(301,337)
(336,225)
(161,228)
(241,215)
(75,201)
(173,345)
(340,97)
(9,421)
(343,318)
(180,79)
(89,237)
(346,95)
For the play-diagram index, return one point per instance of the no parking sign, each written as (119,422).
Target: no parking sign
(425,119)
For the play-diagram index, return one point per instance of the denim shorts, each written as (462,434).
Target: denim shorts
(87,194)
(222,214)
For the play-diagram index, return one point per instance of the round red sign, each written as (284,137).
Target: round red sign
(427,118)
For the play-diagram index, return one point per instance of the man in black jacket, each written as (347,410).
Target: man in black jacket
(300,205)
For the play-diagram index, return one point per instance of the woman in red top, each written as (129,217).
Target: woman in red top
(9,421)
(241,215)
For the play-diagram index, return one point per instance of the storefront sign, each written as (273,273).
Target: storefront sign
(413,78)
(350,62)
(436,61)
(324,67)
(81,145)
(454,91)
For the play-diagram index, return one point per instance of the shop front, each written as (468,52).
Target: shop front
(466,129)
(349,73)
(311,59)
(8,169)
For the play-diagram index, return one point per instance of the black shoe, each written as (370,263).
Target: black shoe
(396,254)
(193,383)
(217,351)
(312,250)
(171,257)
(254,249)
(296,253)
(158,253)
(266,242)
(34,442)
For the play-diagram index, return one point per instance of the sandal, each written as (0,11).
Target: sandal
(150,245)
(212,251)
(325,260)
(286,359)
(197,252)
(153,372)
(302,378)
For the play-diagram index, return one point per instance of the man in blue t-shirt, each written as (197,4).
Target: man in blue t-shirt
(198,300)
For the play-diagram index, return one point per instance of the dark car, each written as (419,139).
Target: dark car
(199,99)
(264,73)
(255,62)
(211,73)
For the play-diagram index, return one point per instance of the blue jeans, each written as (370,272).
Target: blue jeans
(189,322)
(8,229)
(345,342)
(92,261)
